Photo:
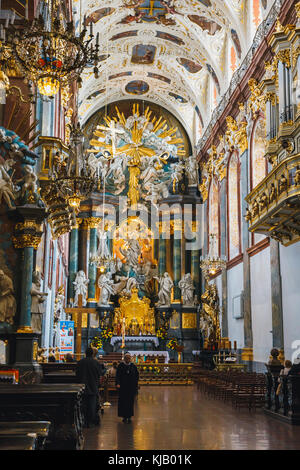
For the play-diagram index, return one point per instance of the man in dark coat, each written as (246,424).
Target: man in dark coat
(127,377)
(88,372)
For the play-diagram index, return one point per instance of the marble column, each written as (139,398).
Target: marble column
(177,259)
(93,223)
(84,246)
(248,334)
(223,250)
(162,262)
(195,270)
(276,292)
(73,261)
(26,285)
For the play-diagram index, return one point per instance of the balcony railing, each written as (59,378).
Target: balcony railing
(274,204)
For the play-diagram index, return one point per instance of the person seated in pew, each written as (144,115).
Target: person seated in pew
(88,372)
(69,358)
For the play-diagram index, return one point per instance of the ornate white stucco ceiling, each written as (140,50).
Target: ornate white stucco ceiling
(179,48)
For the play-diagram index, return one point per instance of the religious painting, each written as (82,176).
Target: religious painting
(233,206)
(206,3)
(189,65)
(207,25)
(142,54)
(150,11)
(236,42)
(169,37)
(120,75)
(175,320)
(98,14)
(178,98)
(124,34)
(258,151)
(103,57)
(159,77)
(96,93)
(189,320)
(214,76)
(137,87)
(133,229)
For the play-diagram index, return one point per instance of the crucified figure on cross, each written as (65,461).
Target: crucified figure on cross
(113,132)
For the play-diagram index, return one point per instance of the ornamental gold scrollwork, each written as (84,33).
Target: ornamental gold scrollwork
(28,224)
(256,100)
(26,240)
(284,56)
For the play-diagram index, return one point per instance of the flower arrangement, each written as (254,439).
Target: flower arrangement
(106,333)
(96,342)
(173,344)
(162,332)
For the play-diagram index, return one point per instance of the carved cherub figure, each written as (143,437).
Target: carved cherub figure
(282,183)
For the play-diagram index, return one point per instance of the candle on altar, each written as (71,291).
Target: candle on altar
(235,346)
(229,344)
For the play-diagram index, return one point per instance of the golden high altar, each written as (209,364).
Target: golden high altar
(139,316)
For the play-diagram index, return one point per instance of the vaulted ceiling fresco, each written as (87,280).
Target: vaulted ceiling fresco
(180,54)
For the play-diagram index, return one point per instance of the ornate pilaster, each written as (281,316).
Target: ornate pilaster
(84,245)
(276,292)
(73,260)
(164,229)
(177,258)
(26,237)
(93,224)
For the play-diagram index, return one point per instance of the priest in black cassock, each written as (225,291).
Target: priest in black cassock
(127,378)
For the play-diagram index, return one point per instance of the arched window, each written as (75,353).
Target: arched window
(258,169)
(234,216)
(214,213)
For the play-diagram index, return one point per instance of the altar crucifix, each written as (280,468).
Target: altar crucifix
(79,311)
(113,132)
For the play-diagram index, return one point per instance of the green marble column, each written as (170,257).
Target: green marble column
(94,222)
(195,270)
(276,292)
(73,261)
(84,246)
(162,262)
(247,354)
(177,261)
(26,284)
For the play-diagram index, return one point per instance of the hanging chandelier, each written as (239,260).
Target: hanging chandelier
(48,50)
(212,263)
(73,180)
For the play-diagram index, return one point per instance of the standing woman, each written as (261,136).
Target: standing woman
(127,378)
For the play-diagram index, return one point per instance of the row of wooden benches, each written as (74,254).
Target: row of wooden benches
(243,389)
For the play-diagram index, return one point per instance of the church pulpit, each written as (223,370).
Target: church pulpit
(59,404)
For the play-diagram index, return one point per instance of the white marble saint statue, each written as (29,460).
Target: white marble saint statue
(37,303)
(81,287)
(8,303)
(165,289)
(6,185)
(186,285)
(131,251)
(103,249)
(192,171)
(107,288)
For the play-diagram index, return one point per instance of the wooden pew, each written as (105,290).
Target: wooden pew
(61,404)
(40,428)
(18,442)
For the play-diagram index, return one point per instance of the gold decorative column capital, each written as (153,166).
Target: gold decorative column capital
(247,354)
(27,234)
(284,56)
(94,222)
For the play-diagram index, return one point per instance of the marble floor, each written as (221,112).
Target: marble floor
(180,417)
